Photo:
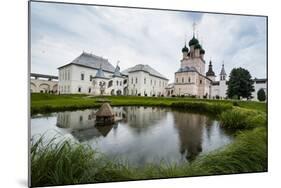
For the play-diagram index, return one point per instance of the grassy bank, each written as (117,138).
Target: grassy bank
(71,163)
(45,103)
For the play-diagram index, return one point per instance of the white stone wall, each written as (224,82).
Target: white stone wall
(257,87)
(191,83)
(196,62)
(43,86)
(222,89)
(215,91)
(142,83)
(70,79)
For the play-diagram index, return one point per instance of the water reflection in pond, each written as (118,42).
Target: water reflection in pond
(145,134)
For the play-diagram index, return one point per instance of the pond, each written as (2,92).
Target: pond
(144,135)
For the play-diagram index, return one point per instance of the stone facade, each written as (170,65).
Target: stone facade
(40,83)
(94,75)
(145,81)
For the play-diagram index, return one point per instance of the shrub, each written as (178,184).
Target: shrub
(235,103)
(261,95)
(239,118)
(203,107)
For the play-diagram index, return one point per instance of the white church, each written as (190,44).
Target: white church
(192,80)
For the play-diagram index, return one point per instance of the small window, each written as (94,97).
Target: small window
(117,82)
(189,79)
(91,78)
(89,90)
(79,89)
(81,118)
(82,76)
(200,81)
(136,80)
(182,80)
(144,80)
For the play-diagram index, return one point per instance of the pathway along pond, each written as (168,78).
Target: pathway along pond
(145,134)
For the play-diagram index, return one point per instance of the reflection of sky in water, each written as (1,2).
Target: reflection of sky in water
(145,135)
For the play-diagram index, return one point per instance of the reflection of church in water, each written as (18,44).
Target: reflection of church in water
(190,128)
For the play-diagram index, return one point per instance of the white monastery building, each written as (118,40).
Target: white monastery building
(145,81)
(91,74)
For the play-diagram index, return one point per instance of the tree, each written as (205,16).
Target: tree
(261,95)
(240,84)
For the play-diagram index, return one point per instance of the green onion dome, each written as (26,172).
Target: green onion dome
(197,46)
(202,51)
(185,49)
(193,41)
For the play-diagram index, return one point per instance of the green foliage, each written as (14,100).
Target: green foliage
(240,84)
(71,163)
(239,118)
(247,154)
(261,95)
(45,103)
(59,163)
(212,108)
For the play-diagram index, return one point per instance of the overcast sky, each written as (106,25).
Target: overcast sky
(61,32)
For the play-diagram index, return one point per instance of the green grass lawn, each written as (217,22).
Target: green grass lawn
(72,163)
(43,103)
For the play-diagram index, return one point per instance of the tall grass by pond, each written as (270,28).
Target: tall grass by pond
(71,163)
(239,118)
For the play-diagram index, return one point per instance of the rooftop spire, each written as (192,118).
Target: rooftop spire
(117,70)
(100,73)
(222,69)
(210,71)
